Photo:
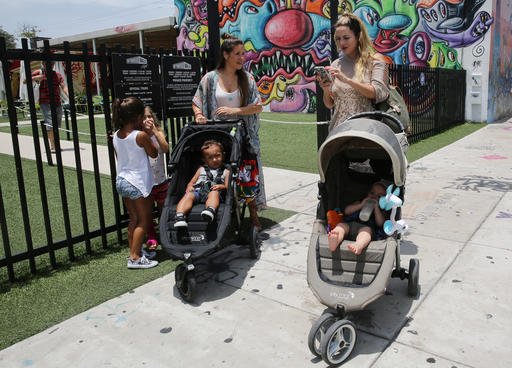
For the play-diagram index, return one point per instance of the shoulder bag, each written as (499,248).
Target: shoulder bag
(395,105)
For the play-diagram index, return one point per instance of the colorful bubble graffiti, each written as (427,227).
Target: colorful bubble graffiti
(285,39)
(500,82)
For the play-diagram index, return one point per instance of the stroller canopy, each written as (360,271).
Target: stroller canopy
(363,138)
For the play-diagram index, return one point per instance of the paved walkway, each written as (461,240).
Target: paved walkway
(258,313)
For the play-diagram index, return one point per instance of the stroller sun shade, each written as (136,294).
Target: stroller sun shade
(363,139)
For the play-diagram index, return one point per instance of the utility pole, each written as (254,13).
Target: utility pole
(213,33)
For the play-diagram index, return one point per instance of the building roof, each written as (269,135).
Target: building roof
(157,33)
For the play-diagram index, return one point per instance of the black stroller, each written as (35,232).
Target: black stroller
(201,239)
(356,154)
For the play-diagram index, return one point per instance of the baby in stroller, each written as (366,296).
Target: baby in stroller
(206,186)
(363,221)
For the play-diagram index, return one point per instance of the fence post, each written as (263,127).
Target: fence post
(437,105)
(333,8)
(44,133)
(66,122)
(323,115)
(213,33)
(5,238)
(13,121)
(49,56)
(462,96)
(106,59)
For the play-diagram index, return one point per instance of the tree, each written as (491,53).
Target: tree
(10,40)
(28,30)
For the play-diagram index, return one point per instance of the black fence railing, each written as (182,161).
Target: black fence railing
(88,206)
(435,99)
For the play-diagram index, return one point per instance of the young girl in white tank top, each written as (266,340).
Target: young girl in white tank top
(134,178)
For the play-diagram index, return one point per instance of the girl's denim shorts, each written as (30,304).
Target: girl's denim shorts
(127,190)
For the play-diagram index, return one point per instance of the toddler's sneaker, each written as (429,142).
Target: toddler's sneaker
(208,214)
(179,220)
(142,262)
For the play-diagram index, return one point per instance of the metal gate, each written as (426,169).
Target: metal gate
(37,233)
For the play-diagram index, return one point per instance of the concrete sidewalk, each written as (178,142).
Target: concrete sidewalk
(258,313)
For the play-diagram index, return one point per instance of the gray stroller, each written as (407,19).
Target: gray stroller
(355,154)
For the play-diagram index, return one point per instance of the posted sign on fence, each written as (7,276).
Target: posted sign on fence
(139,76)
(181,76)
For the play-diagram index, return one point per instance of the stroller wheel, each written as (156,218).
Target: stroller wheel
(338,342)
(414,275)
(254,243)
(318,330)
(185,282)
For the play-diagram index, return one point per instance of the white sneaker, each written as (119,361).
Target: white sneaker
(208,214)
(179,220)
(142,262)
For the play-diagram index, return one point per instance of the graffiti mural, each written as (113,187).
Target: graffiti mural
(500,82)
(285,39)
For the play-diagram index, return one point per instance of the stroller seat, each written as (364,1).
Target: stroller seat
(196,223)
(344,267)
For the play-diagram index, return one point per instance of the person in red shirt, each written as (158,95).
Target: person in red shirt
(44,98)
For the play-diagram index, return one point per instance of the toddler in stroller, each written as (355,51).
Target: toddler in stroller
(355,156)
(204,231)
(206,186)
(363,221)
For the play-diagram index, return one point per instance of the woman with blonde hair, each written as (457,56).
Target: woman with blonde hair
(358,78)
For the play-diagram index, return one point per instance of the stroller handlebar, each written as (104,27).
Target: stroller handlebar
(214,122)
(388,119)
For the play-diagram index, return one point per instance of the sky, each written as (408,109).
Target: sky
(60,18)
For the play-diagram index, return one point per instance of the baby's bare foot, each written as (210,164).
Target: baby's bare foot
(356,249)
(333,241)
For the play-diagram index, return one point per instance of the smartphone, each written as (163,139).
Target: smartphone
(323,73)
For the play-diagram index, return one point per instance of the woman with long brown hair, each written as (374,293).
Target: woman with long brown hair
(229,92)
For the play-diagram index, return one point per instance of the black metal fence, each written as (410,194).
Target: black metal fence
(53,234)
(435,99)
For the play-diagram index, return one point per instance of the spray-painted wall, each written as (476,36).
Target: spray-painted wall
(285,39)
(500,76)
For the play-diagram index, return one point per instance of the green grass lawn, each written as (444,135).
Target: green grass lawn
(37,302)
(14,217)
(294,146)
(83,128)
